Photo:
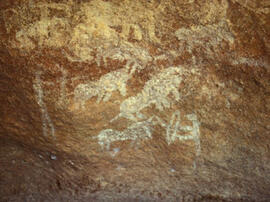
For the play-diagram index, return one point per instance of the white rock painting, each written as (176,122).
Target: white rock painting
(126,52)
(155,92)
(261,62)
(47,125)
(214,34)
(105,86)
(174,130)
(137,131)
(142,130)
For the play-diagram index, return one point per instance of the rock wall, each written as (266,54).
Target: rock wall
(122,100)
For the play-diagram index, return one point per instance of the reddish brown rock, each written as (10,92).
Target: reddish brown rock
(135,100)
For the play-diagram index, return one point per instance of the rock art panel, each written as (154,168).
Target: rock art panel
(186,81)
(194,37)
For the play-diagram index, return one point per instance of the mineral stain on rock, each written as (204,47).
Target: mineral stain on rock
(123,100)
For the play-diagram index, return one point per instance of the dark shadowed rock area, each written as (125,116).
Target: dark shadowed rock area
(125,100)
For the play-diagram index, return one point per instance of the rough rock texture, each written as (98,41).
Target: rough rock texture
(126,100)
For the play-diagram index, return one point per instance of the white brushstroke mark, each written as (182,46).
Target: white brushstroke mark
(194,165)
(251,62)
(172,170)
(114,152)
(155,91)
(53,157)
(47,124)
(63,82)
(76,78)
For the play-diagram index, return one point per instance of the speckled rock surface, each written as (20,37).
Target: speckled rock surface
(135,100)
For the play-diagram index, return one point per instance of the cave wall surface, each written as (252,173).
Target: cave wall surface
(124,100)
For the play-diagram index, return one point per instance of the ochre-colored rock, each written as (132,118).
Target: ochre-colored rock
(125,100)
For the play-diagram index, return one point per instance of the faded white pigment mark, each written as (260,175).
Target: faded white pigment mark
(155,91)
(115,152)
(47,125)
(63,82)
(251,62)
(172,170)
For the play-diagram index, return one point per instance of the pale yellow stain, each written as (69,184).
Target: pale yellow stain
(93,25)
